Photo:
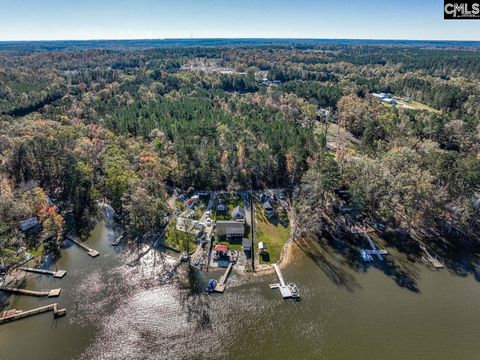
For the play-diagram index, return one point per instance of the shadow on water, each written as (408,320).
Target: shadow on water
(195,303)
(332,255)
(459,254)
(335,273)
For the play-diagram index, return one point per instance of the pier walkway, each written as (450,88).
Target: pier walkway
(169,274)
(49,293)
(13,314)
(93,253)
(287,290)
(119,239)
(58,274)
(221,284)
(429,259)
(367,253)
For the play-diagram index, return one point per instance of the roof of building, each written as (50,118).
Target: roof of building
(238,211)
(246,244)
(262,245)
(221,248)
(28,223)
(229,223)
(267,205)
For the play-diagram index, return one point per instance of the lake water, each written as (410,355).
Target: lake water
(347,311)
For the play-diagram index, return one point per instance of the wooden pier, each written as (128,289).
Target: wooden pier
(13,314)
(367,253)
(93,253)
(57,274)
(221,284)
(49,293)
(119,239)
(429,259)
(169,274)
(287,290)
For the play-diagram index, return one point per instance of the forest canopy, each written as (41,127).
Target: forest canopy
(129,126)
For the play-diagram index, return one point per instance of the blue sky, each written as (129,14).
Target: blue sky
(138,19)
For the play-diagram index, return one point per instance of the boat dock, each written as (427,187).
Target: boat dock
(221,284)
(57,274)
(367,254)
(182,258)
(93,253)
(49,293)
(119,239)
(287,290)
(13,314)
(429,259)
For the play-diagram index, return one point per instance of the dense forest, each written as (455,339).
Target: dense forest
(128,126)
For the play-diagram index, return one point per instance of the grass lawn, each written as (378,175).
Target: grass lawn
(274,232)
(199,210)
(36,252)
(336,133)
(417,106)
(178,239)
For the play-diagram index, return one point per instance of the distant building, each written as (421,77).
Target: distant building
(238,213)
(229,228)
(323,112)
(380,95)
(385,98)
(390,101)
(28,224)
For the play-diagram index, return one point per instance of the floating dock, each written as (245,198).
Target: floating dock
(57,274)
(49,293)
(287,290)
(221,284)
(13,314)
(93,253)
(119,239)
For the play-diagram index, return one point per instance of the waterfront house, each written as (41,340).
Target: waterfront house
(221,251)
(229,228)
(28,224)
(238,213)
(212,203)
(268,209)
(222,206)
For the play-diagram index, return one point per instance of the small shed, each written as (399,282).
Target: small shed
(262,248)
